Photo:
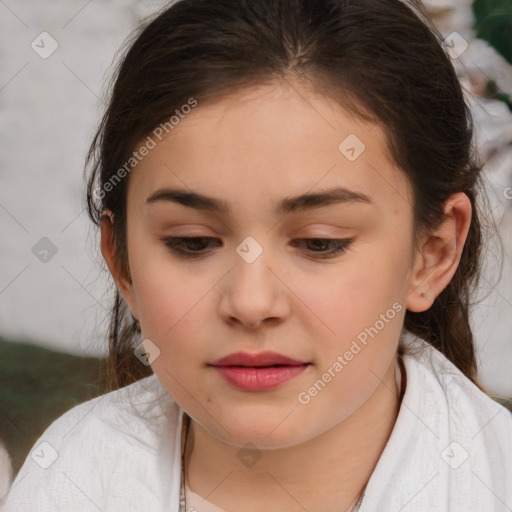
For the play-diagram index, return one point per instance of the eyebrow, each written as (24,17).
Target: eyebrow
(292,204)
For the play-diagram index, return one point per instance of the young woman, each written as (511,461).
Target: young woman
(287,197)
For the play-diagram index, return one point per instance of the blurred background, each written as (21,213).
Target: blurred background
(55,58)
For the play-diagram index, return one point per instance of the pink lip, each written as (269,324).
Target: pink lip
(261,359)
(258,372)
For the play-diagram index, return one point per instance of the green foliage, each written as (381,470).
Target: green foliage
(493,23)
(37,386)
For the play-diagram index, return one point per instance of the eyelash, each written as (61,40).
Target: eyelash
(340,246)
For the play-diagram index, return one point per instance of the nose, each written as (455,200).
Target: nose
(253,294)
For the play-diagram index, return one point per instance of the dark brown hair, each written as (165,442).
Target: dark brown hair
(381,59)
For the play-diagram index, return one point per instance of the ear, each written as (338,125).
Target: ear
(108,249)
(440,253)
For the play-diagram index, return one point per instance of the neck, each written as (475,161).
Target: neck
(336,464)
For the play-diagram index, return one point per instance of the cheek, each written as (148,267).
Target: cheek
(174,317)
(354,358)
(171,304)
(355,297)
(362,311)
(166,290)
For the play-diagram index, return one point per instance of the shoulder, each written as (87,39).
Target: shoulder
(474,432)
(451,446)
(465,403)
(107,449)
(130,415)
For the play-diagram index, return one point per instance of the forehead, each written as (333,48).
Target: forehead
(253,147)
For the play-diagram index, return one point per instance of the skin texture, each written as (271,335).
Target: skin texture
(251,149)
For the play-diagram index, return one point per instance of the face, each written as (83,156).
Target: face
(322,280)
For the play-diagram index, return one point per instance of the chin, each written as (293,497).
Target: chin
(263,430)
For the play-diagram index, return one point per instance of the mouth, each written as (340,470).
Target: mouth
(258,372)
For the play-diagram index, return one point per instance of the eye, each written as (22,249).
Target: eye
(189,247)
(326,247)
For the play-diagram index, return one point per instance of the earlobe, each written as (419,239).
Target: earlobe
(108,249)
(440,254)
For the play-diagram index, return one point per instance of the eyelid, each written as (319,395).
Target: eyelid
(341,245)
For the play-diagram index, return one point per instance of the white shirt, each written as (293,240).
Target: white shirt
(450,450)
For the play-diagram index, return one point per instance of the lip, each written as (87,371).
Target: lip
(258,372)
(260,359)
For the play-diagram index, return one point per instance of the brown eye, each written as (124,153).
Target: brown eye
(196,246)
(326,247)
(188,246)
